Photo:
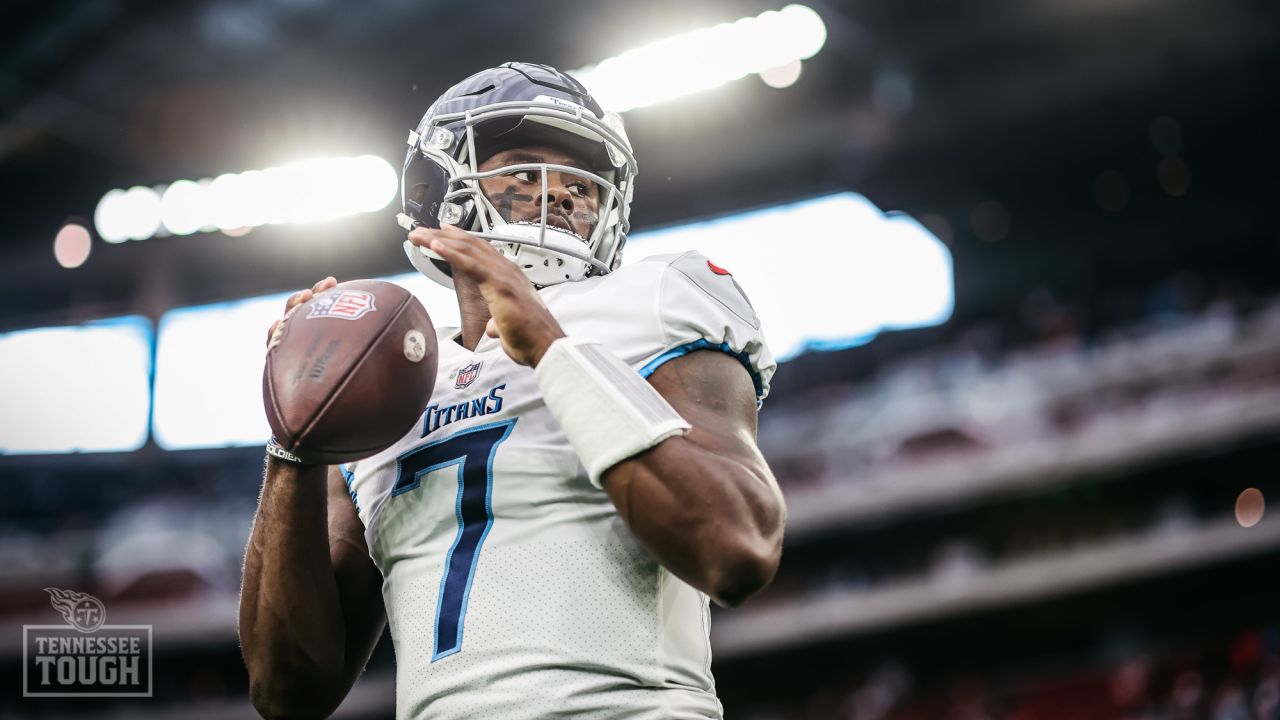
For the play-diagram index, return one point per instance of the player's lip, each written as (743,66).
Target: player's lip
(556,221)
(560,221)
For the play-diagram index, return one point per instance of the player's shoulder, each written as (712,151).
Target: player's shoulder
(660,281)
(690,263)
(662,307)
(692,273)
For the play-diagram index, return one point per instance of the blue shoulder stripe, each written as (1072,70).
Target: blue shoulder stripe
(703,344)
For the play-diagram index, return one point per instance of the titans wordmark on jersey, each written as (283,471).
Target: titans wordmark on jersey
(513,588)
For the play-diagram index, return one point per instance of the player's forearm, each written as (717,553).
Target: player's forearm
(291,622)
(723,537)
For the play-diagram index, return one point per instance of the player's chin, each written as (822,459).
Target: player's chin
(582,230)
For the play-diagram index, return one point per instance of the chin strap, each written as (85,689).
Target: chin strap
(406,222)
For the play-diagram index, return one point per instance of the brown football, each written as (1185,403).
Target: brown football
(350,373)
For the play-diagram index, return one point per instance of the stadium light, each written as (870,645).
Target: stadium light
(228,339)
(705,58)
(71,245)
(225,343)
(132,214)
(783,76)
(301,192)
(76,389)
(183,207)
(823,274)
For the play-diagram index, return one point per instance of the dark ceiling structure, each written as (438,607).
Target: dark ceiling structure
(1032,137)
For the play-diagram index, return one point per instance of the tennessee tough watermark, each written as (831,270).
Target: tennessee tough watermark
(85,657)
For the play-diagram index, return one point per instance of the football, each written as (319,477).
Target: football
(350,372)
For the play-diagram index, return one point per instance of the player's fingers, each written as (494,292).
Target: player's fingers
(272,331)
(297,299)
(421,236)
(453,237)
(457,253)
(424,236)
(324,284)
(476,247)
(471,242)
(491,328)
(454,231)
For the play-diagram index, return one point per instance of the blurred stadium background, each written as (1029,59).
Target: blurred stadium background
(1021,256)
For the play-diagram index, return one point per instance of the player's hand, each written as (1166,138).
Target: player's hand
(519,317)
(292,304)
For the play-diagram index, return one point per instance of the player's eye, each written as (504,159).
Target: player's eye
(526,175)
(579,189)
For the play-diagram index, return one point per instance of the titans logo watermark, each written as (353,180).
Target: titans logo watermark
(85,657)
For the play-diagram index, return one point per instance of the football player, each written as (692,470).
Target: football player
(545,540)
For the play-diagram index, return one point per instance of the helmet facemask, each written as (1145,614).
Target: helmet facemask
(457,143)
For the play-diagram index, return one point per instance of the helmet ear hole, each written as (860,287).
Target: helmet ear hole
(417,194)
(481,91)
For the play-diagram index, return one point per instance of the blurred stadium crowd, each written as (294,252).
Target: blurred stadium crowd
(1231,678)
(1028,457)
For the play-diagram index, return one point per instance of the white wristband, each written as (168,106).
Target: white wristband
(606,409)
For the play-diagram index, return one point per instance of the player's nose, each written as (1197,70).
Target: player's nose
(558,192)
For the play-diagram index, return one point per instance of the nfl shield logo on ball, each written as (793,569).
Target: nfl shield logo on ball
(345,304)
(467,375)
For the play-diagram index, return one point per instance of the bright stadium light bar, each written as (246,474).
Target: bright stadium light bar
(300,192)
(82,388)
(771,44)
(704,59)
(225,343)
(229,340)
(824,273)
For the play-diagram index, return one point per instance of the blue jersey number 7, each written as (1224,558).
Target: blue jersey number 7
(472,451)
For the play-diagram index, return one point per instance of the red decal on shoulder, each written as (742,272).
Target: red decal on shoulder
(717,269)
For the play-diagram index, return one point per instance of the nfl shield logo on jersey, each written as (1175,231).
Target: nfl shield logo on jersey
(345,304)
(467,375)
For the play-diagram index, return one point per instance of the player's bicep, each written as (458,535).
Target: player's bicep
(714,392)
(359,581)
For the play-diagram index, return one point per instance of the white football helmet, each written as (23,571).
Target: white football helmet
(513,105)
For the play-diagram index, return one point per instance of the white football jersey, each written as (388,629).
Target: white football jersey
(513,589)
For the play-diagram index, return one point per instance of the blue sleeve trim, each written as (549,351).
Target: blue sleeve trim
(350,477)
(704,344)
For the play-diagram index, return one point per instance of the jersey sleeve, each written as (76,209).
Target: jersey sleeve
(702,307)
(348,471)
